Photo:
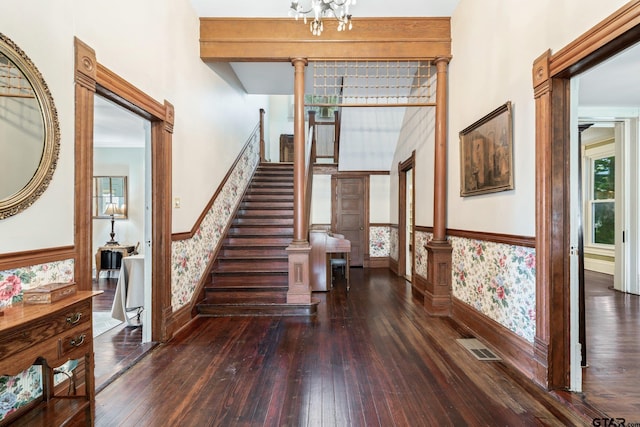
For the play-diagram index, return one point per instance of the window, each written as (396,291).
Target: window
(109,191)
(601,198)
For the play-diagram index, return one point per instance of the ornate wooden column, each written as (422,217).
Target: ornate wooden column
(437,298)
(299,250)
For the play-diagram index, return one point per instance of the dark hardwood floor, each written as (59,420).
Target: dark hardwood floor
(610,381)
(372,357)
(118,349)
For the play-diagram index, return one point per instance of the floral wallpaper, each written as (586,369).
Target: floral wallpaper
(17,391)
(393,243)
(14,282)
(190,257)
(421,239)
(498,280)
(379,241)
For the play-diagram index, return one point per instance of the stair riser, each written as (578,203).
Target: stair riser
(264,222)
(242,281)
(231,297)
(249,253)
(268,197)
(261,231)
(269,190)
(267,205)
(254,212)
(225,310)
(249,266)
(257,241)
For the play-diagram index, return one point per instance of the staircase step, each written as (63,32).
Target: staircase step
(257,241)
(270,231)
(261,212)
(265,221)
(244,280)
(272,295)
(269,190)
(248,252)
(249,265)
(259,183)
(225,310)
(266,204)
(258,196)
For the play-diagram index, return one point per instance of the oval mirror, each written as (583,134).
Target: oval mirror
(29,131)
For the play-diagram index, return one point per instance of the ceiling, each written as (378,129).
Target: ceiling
(613,83)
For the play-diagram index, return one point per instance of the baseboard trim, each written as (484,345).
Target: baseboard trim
(393,265)
(379,262)
(513,349)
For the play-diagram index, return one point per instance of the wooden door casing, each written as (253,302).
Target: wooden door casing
(351,214)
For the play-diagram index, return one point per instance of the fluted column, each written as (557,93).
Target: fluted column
(437,300)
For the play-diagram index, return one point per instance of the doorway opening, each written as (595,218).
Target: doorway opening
(406,211)
(121,211)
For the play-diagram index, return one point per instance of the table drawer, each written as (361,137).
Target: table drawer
(77,340)
(35,332)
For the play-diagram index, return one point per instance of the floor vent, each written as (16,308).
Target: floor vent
(479,350)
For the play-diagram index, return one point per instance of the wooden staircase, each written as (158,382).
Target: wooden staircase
(250,274)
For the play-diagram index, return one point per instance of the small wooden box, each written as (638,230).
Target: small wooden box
(51,292)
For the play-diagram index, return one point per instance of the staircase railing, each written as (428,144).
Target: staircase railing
(308,177)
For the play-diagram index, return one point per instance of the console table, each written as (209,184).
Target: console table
(109,257)
(49,335)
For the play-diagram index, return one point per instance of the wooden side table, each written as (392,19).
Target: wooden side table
(109,257)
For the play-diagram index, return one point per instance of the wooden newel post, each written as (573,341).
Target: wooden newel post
(299,271)
(262,154)
(437,299)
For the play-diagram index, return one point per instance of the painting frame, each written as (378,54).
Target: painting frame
(486,154)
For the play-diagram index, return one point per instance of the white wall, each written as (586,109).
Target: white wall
(494,44)
(154,45)
(417,134)
(280,120)
(321,200)
(127,162)
(379,196)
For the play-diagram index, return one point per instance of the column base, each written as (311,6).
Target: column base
(437,293)
(299,273)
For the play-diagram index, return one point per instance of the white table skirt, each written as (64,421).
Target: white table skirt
(129,294)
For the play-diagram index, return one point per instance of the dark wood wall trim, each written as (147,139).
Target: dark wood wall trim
(39,256)
(507,239)
(85,89)
(279,39)
(551,76)
(610,36)
(380,224)
(378,262)
(189,234)
(513,349)
(418,285)
(91,78)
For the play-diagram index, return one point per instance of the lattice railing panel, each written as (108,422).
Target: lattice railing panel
(373,83)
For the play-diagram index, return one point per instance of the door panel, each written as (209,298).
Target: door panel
(350,215)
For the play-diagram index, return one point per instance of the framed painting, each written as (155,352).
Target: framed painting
(486,154)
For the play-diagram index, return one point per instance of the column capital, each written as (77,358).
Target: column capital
(295,61)
(442,60)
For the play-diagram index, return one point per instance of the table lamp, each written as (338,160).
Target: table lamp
(112,209)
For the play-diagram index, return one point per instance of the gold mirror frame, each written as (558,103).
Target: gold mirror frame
(25,197)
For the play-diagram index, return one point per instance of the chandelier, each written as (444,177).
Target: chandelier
(339,9)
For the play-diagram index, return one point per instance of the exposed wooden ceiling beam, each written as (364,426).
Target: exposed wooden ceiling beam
(280,39)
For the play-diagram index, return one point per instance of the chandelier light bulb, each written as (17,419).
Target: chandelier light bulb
(338,9)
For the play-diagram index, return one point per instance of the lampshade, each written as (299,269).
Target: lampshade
(112,209)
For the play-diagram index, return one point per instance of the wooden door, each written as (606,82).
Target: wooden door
(286,148)
(350,216)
